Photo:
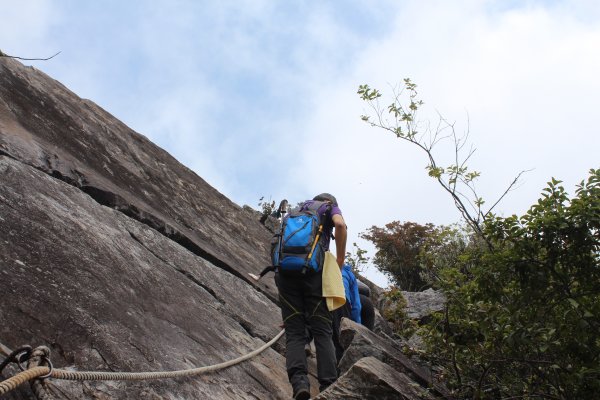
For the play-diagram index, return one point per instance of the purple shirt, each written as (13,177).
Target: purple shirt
(328,223)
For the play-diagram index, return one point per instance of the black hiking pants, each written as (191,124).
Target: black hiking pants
(344,311)
(302,306)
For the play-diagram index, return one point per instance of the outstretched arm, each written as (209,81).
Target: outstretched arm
(341,234)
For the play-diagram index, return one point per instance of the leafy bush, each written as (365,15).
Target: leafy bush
(523,312)
(395,313)
(398,248)
(522,319)
(411,254)
(267,208)
(357,259)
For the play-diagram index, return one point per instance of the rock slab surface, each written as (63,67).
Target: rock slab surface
(119,258)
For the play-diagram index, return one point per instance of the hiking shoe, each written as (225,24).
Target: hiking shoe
(325,386)
(302,394)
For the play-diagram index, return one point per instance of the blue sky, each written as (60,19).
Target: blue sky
(259,97)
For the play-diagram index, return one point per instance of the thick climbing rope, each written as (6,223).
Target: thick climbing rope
(36,372)
(40,356)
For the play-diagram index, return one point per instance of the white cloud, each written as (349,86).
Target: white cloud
(25,26)
(527,78)
(232,89)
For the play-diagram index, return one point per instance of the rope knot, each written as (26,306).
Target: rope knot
(40,357)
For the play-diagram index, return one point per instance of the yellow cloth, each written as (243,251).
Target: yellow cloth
(333,285)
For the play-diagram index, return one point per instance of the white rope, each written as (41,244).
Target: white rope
(13,382)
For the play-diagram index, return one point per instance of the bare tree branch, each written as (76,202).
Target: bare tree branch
(28,59)
(508,189)
(456,179)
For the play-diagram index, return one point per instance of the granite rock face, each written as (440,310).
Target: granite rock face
(45,125)
(370,379)
(119,258)
(106,292)
(420,305)
(359,342)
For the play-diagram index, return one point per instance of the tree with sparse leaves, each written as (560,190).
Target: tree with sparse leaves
(398,253)
(400,118)
(522,319)
(357,259)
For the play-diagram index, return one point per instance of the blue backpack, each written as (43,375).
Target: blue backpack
(299,246)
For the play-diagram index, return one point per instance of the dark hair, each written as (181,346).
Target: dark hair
(326,197)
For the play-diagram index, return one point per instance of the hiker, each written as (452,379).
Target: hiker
(351,310)
(303,304)
(367,311)
(352,294)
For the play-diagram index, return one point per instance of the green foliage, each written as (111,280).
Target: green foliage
(400,118)
(523,311)
(394,312)
(357,259)
(267,207)
(411,254)
(523,318)
(398,249)
(443,248)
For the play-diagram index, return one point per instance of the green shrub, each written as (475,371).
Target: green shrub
(394,311)
(523,317)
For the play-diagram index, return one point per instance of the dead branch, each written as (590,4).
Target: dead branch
(27,59)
